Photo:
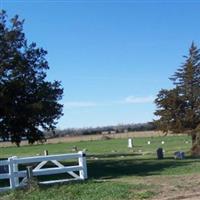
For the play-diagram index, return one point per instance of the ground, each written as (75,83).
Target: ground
(116,172)
(174,187)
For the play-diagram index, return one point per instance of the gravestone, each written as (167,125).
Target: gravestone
(46,153)
(179,155)
(159,152)
(75,148)
(130,143)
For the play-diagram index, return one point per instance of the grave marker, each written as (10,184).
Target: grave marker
(159,152)
(130,143)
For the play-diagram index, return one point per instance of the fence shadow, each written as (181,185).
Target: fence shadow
(115,168)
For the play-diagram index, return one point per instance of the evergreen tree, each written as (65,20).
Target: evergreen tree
(171,111)
(180,112)
(29,103)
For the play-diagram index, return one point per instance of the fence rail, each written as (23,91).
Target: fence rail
(15,175)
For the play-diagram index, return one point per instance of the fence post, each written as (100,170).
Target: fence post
(82,163)
(15,172)
(10,167)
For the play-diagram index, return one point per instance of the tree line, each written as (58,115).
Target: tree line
(122,128)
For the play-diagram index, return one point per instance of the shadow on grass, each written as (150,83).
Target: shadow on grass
(113,155)
(115,168)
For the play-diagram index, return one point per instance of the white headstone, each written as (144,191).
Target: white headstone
(130,143)
(163,142)
(149,142)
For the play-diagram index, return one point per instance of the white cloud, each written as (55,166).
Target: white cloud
(127,100)
(136,100)
(79,104)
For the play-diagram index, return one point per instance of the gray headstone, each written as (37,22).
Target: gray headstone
(159,152)
(179,155)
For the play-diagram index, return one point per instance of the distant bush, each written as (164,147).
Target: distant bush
(105,137)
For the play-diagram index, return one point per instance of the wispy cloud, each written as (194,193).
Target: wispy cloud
(137,100)
(126,100)
(79,104)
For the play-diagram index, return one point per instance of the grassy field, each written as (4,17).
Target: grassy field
(99,146)
(116,172)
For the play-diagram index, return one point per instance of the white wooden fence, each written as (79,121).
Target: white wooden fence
(18,178)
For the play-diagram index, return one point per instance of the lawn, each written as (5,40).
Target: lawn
(111,146)
(116,172)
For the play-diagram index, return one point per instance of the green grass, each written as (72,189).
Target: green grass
(111,166)
(172,143)
(89,190)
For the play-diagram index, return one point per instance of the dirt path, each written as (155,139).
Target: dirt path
(175,187)
(194,196)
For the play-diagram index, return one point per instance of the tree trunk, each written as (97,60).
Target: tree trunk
(195,150)
(194,136)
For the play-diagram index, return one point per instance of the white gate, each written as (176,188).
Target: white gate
(18,178)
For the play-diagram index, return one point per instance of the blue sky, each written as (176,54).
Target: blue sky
(111,56)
